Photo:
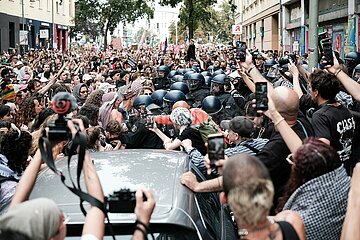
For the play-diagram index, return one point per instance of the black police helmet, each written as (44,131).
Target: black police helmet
(182,71)
(180,86)
(178,78)
(174,96)
(142,100)
(206,73)
(187,74)
(211,105)
(352,56)
(219,79)
(207,81)
(164,69)
(172,73)
(157,96)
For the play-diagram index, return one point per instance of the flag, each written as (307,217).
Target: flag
(165,46)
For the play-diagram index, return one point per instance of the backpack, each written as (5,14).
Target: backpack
(206,128)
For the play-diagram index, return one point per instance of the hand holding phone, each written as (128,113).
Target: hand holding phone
(215,148)
(240,51)
(261,96)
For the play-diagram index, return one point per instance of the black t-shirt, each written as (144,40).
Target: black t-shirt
(274,154)
(195,137)
(337,125)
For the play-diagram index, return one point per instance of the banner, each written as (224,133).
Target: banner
(23,35)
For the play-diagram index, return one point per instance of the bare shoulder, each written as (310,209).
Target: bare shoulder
(295,220)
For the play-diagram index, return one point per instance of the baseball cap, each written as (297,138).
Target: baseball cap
(240,125)
(19,63)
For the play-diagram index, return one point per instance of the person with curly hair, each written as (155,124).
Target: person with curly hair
(14,151)
(95,98)
(317,189)
(28,111)
(91,111)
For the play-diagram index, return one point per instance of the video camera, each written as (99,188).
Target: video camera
(122,201)
(63,103)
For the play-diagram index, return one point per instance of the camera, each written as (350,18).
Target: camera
(63,103)
(286,59)
(122,201)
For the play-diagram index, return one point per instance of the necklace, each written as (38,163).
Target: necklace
(243,232)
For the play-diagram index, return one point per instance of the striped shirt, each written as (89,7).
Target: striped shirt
(198,160)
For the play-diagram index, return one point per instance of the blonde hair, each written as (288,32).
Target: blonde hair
(251,201)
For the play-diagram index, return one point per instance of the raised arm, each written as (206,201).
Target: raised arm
(94,221)
(350,85)
(351,228)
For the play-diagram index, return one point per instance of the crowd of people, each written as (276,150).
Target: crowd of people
(287,170)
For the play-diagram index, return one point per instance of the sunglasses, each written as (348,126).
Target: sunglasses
(83,91)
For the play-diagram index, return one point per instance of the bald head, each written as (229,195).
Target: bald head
(239,168)
(286,102)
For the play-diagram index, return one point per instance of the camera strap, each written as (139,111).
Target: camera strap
(78,141)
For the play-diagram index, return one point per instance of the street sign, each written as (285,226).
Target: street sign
(236,29)
(44,33)
(23,35)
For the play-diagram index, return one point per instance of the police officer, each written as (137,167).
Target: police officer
(139,135)
(197,92)
(162,81)
(230,108)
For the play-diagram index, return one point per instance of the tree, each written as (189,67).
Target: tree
(109,13)
(193,13)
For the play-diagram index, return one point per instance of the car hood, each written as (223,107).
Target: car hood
(158,170)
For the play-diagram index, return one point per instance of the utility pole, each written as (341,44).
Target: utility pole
(53,27)
(313,33)
(23,23)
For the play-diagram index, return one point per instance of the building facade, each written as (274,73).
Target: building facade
(27,24)
(339,18)
(283,25)
(260,20)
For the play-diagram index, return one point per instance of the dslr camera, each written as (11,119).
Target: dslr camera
(63,103)
(122,201)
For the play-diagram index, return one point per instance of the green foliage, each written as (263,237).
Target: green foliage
(199,19)
(103,16)
(193,13)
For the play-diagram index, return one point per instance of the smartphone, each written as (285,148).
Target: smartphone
(327,52)
(240,51)
(321,36)
(215,148)
(261,96)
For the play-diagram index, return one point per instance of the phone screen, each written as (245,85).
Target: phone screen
(240,51)
(328,54)
(261,96)
(215,148)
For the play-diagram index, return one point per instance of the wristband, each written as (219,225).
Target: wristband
(142,224)
(337,72)
(279,121)
(141,230)
(251,68)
